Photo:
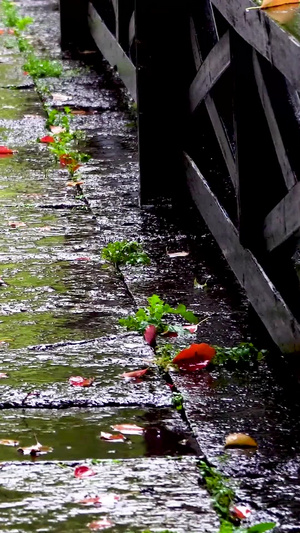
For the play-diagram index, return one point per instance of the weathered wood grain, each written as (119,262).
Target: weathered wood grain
(287,171)
(267,302)
(283,220)
(215,64)
(111,50)
(265,35)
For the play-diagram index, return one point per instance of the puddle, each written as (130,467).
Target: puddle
(74,434)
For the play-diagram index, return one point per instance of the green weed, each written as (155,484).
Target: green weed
(245,354)
(177,401)
(219,488)
(59,118)
(154,314)
(228,527)
(164,356)
(42,68)
(125,253)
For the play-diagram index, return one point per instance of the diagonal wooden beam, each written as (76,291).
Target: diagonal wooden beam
(264,297)
(217,124)
(215,64)
(283,220)
(286,169)
(111,50)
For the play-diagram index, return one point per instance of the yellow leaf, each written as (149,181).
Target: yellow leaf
(266,4)
(283,14)
(240,440)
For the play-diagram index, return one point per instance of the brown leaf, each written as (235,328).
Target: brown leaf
(283,14)
(17,224)
(177,254)
(128,429)
(109,436)
(59,97)
(135,373)
(100,524)
(240,440)
(79,381)
(36,449)
(9,442)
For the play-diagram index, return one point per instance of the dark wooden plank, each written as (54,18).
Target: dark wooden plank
(260,182)
(205,25)
(162,61)
(215,64)
(283,220)
(265,299)
(287,171)
(265,35)
(73,25)
(111,50)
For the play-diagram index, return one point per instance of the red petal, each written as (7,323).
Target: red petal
(241,511)
(191,329)
(170,334)
(150,335)
(100,524)
(79,381)
(135,374)
(82,259)
(196,353)
(5,150)
(83,471)
(47,139)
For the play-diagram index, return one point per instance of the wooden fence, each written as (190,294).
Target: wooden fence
(217,95)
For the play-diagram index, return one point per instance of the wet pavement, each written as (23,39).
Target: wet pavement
(59,310)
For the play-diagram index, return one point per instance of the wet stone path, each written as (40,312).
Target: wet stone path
(60,309)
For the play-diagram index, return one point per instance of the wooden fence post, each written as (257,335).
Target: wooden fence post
(74,25)
(161,29)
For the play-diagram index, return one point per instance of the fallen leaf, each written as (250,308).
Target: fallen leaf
(57,129)
(45,228)
(191,329)
(83,472)
(150,335)
(8,442)
(109,436)
(59,97)
(283,14)
(102,499)
(178,254)
(128,429)
(75,183)
(36,449)
(4,150)
(17,224)
(100,524)
(197,354)
(241,511)
(25,73)
(240,440)
(80,112)
(272,3)
(3,375)
(135,373)
(47,139)
(79,381)
(11,31)
(82,259)
(2,32)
